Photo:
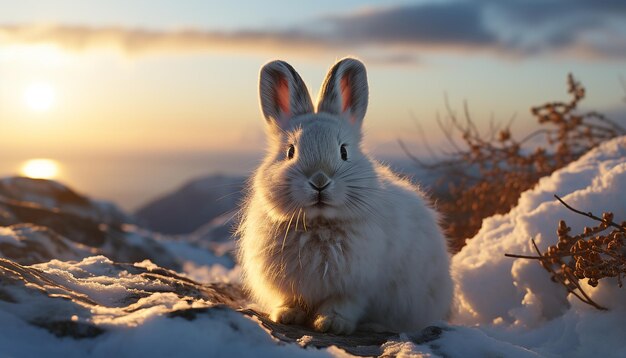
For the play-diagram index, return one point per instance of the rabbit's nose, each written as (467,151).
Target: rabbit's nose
(319,181)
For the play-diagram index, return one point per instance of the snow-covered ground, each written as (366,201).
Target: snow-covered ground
(514,299)
(188,302)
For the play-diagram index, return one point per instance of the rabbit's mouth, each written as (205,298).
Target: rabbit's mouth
(320,205)
(321,201)
(320,209)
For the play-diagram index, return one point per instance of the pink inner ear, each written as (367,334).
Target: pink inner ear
(282,96)
(346,96)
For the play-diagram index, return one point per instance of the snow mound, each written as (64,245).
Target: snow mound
(99,308)
(102,309)
(515,299)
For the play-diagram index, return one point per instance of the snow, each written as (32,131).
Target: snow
(504,307)
(212,273)
(514,299)
(224,334)
(458,341)
(105,294)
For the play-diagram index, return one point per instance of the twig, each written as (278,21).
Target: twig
(581,294)
(422,135)
(586,299)
(590,215)
(542,257)
(525,256)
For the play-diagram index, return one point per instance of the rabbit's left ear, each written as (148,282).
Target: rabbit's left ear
(345,91)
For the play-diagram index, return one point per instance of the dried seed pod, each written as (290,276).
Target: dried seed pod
(579,274)
(607,217)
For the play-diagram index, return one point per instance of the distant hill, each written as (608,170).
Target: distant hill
(193,205)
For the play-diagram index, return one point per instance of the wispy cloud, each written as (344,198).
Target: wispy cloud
(137,41)
(512,28)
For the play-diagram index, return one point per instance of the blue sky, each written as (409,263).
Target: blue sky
(167,14)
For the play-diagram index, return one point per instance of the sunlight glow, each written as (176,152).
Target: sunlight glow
(39,96)
(40,169)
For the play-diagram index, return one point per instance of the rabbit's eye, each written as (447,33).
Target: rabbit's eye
(344,152)
(291,151)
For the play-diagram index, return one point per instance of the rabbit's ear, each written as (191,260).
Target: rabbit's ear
(283,93)
(345,91)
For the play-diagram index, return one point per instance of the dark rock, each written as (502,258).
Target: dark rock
(79,229)
(426,335)
(72,329)
(359,343)
(5,296)
(32,244)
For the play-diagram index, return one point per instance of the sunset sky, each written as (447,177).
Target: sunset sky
(146,77)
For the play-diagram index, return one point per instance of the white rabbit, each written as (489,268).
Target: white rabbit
(329,236)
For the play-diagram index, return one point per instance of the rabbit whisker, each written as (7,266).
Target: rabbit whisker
(287,232)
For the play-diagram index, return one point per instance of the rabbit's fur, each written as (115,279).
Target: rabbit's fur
(329,236)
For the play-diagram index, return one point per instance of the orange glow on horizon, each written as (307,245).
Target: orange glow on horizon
(40,169)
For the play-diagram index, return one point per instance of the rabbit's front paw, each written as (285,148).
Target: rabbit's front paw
(333,323)
(288,315)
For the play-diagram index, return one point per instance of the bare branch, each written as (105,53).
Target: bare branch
(590,215)
(486,172)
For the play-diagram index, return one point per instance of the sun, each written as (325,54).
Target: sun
(40,169)
(39,96)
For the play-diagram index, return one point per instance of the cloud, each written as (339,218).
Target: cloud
(425,24)
(592,29)
(561,25)
(510,28)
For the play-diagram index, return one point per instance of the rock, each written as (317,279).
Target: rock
(29,244)
(52,195)
(82,237)
(45,220)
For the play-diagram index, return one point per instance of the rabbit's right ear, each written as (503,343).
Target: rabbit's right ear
(283,93)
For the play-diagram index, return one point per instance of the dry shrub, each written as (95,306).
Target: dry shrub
(486,173)
(591,255)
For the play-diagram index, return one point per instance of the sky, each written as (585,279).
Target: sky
(81,79)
